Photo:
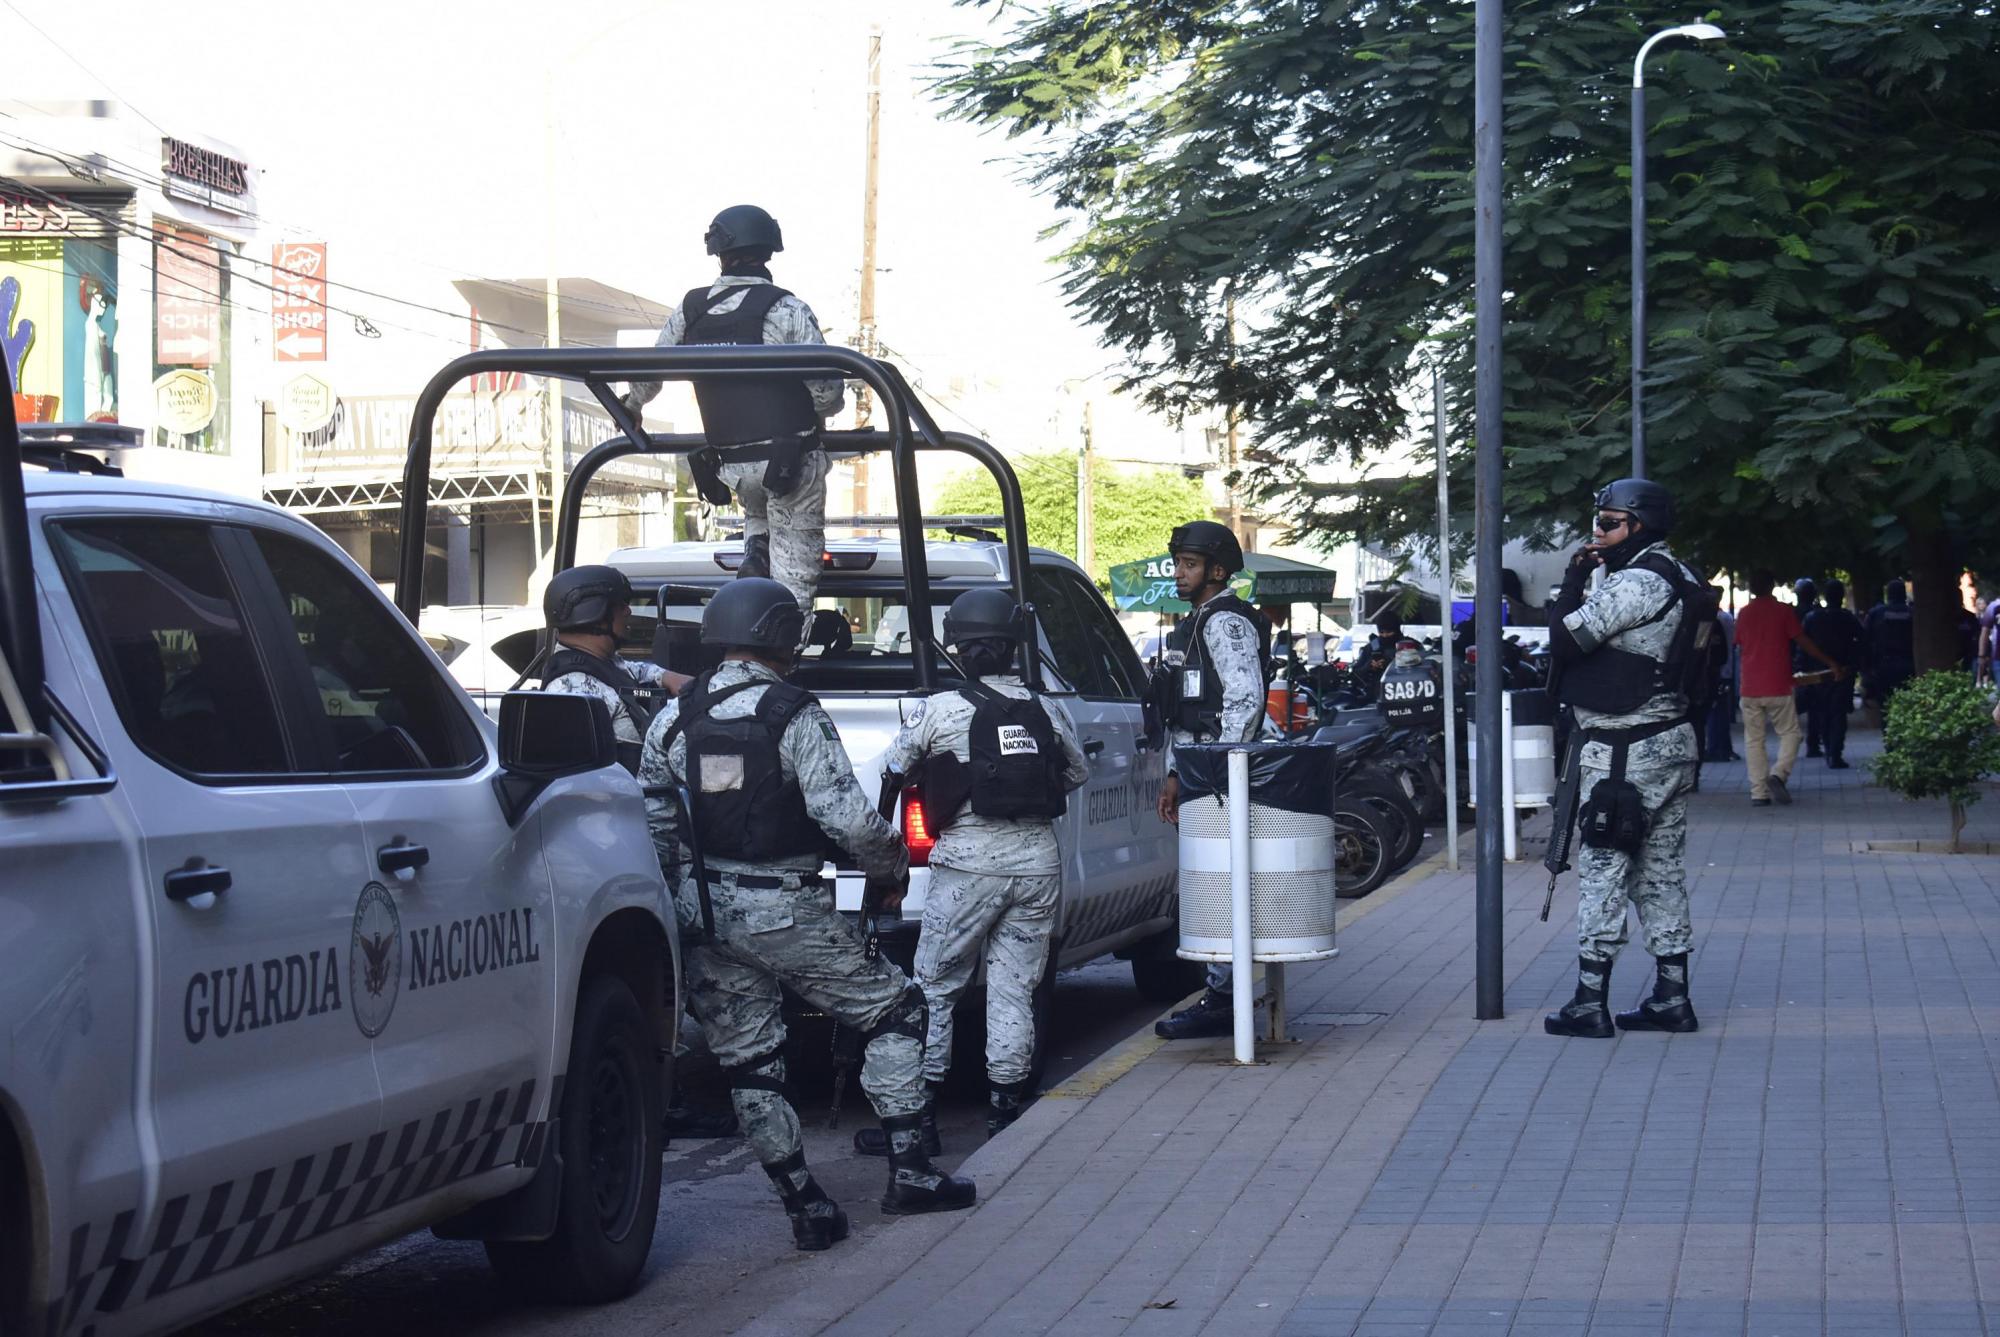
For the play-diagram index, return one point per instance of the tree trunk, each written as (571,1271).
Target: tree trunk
(1935,601)
(1957,823)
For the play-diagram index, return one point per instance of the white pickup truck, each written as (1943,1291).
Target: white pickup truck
(1119,858)
(299,950)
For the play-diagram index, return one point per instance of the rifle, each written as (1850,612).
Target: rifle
(1562,835)
(847,1039)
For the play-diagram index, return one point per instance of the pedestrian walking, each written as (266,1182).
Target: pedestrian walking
(1627,657)
(1209,685)
(996,760)
(1806,696)
(589,608)
(1766,633)
(1719,744)
(1836,630)
(1989,615)
(1892,656)
(773,794)
(765,432)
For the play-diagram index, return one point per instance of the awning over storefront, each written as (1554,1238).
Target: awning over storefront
(1148,586)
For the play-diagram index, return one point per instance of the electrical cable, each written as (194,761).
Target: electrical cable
(81,66)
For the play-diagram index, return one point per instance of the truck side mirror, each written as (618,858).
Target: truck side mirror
(545,736)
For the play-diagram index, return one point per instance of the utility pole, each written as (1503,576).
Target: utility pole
(1086,535)
(1488,512)
(1233,460)
(554,299)
(864,329)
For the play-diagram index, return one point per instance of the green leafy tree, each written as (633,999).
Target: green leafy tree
(1132,511)
(1824,268)
(1939,741)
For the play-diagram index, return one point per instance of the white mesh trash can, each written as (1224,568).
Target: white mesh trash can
(1292,902)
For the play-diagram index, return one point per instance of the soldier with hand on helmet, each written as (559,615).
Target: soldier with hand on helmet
(996,760)
(588,607)
(1626,656)
(773,794)
(766,431)
(1209,686)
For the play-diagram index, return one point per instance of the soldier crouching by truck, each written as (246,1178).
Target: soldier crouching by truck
(771,788)
(1628,657)
(1209,686)
(997,761)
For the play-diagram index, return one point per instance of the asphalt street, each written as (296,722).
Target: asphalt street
(723,1246)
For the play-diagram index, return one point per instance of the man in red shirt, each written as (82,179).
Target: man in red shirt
(1766,631)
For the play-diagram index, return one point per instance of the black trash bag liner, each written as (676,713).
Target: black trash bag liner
(1296,776)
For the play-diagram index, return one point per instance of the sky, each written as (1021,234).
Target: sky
(413,138)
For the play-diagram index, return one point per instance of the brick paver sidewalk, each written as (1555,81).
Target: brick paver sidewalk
(1824,1156)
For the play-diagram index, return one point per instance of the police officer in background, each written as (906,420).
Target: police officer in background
(1625,654)
(996,760)
(765,432)
(589,607)
(1209,685)
(773,792)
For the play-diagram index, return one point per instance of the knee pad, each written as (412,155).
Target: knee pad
(763,1073)
(909,1015)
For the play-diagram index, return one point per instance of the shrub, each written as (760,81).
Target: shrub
(1939,741)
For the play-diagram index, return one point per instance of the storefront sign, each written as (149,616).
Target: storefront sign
(58,326)
(305,404)
(298,302)
(204,176)
(188,299)
(62,215)
(184,401)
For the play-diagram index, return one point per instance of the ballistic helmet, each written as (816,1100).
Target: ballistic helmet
(583,598)
(752,613)
(1643,498)
(1210,540)
(743,227)
(982,614)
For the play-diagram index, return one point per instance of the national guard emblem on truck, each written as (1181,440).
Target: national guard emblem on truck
(375,960)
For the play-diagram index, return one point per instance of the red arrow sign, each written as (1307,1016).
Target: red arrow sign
(187,299)
(298,301)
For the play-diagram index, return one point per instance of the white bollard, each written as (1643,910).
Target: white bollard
(1243,988)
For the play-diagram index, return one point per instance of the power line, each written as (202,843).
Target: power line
(81,66)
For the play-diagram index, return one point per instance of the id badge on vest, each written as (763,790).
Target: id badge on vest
(1191,684)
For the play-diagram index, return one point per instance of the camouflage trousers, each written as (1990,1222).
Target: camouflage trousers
(793,523)
(1008,919)
(791,937)
(1653,881)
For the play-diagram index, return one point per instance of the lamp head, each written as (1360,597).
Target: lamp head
(1701,32)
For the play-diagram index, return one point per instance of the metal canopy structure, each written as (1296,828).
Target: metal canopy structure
(909,429)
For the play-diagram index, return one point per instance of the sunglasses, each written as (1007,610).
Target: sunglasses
(1611,524)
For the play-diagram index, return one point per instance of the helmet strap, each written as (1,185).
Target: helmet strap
(750,264)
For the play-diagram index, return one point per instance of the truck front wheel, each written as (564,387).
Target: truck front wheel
(611,1148)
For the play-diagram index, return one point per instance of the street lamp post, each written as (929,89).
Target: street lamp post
(1700,32)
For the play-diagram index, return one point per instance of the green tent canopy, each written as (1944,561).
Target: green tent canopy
(1148,585)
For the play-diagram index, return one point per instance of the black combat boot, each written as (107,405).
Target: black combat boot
(915,1185)
(817,1221)
(756,556)
(1585,1014)
(874,1142)
(1004,1105)
(1211,1014)
(1668,1009)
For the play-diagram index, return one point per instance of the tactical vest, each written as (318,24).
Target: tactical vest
(641,700)
(744,807)
(738,410)
(1192,699)
(1611,681)
(1017,764)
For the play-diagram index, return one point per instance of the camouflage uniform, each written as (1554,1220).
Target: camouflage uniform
(1232,652)
(788,936)
(995,884)
(794,523)
(1662,768)
(643,671)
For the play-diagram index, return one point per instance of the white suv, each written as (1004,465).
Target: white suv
(298,950)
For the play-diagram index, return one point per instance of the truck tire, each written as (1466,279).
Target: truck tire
(611,1149)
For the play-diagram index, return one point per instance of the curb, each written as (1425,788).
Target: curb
(832,1286)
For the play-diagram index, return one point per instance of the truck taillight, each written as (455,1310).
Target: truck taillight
(918,837)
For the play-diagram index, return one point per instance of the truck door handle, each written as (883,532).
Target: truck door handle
(395,858)
(1092,746)
(195,880)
